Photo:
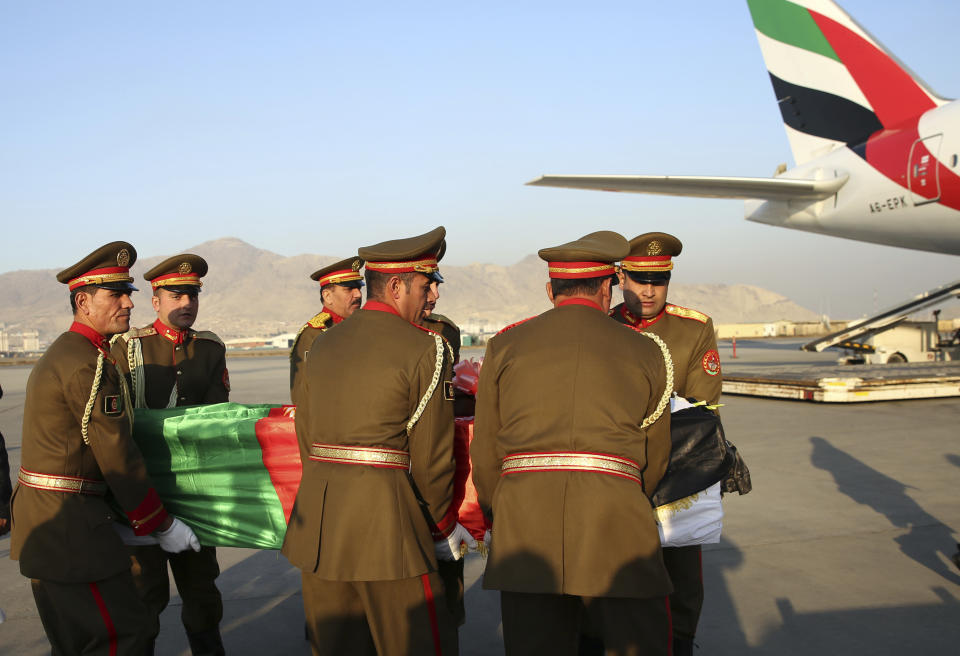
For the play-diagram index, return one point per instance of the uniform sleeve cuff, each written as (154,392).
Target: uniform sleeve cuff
(149,515)
(445,526)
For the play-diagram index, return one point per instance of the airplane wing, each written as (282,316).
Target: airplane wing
(700,186)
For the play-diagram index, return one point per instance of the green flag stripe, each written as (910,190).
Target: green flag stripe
(790,24)
(207,466)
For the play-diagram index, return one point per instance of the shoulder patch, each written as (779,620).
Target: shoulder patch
(687,313)
(514,325)
(209,336)
(711,362)
(319,321)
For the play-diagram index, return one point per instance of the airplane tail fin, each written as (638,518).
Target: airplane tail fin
(835,84)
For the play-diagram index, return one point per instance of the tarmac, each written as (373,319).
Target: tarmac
(842,547)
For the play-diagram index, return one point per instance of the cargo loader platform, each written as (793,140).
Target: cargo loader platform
(830,383)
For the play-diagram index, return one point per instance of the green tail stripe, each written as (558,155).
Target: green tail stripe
(791,24)
(207,467)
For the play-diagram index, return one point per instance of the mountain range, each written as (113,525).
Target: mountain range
(253,292)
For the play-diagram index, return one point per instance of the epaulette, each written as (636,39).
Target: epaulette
(687,313)
(439,318)
(514,325)
(319,321)
(137,333)
(210,336)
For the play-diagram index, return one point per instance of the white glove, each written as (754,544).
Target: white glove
(450,548)
(179,537)
(488,539)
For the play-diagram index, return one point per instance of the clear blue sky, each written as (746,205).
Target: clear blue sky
(318,127)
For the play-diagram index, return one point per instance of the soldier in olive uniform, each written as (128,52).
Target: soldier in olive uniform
(644,277)
(76,448)
(169,364)
(451,571)
(5,487)
(571,437)
(436,321)
(374,509)
(340,285)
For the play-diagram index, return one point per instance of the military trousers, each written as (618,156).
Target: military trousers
(405,617)
(451,571)
(103,617)
(684,564)
(195,573)
(535,624)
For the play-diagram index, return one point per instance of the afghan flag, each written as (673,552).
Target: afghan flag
(229,470)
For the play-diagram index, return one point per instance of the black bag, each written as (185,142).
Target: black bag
(700,456)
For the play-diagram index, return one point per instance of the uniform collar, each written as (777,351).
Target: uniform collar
(379,307)
(98,340)
(636,321)
(579,301)
(165,331)
(336,318)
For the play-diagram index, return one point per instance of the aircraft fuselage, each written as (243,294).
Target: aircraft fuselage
(903,188)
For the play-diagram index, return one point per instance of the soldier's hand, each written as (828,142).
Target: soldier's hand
(179,537)
(451,547)
(4,525)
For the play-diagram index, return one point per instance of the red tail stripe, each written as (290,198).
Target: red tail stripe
(111,630)
(895,96)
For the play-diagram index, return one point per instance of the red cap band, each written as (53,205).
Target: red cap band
(343,275)
(580,269)
(100,276)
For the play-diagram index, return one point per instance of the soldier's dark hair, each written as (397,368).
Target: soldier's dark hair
(574,286)
(89,289)
(377,281)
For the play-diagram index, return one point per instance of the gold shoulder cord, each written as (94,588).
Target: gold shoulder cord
(135,364)
(437,370)
(95,389)
(668,390)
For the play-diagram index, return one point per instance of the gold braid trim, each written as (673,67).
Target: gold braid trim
(93,398)
(437,370)
(668,390)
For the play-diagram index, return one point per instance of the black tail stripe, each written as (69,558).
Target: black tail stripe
(823,114)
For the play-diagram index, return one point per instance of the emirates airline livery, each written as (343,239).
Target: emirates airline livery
(876,149)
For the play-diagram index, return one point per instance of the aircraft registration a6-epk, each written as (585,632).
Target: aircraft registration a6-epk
(876,149)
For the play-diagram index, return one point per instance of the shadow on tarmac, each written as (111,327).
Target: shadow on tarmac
(889,497)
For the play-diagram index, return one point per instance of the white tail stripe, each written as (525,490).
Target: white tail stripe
(808,69)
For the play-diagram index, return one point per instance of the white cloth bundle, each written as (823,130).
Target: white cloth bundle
(697,519)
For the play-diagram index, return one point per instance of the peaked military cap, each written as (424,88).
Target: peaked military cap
(180,273)
(107,267)
(419,254)
(591,256)
(651,257)
(345,272)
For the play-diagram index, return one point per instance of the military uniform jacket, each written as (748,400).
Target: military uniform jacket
(571,380)
(693,344)
(68,537)
(319,324)
(359,522)
(178,368)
